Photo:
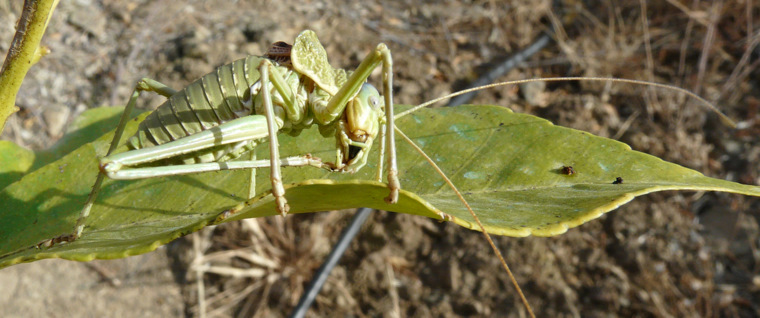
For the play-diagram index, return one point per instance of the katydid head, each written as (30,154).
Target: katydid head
(359,128)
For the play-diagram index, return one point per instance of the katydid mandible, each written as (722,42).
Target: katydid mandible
(228,112)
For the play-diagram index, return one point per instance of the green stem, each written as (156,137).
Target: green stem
(23,53)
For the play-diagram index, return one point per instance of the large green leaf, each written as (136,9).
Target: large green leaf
(508,165)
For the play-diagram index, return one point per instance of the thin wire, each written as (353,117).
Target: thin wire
(321,275)
(501,69)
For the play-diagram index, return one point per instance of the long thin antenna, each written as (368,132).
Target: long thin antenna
(727,121)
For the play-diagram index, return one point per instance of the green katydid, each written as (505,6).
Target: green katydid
(228,112)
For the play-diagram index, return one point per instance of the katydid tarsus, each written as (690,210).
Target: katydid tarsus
(228,112)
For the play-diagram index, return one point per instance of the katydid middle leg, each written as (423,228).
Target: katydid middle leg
(275,173)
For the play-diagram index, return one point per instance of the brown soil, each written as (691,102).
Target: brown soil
(673,254)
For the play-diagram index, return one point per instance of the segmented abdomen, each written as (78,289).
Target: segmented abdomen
(215,98)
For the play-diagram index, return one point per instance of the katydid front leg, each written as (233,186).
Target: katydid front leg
(337,104)
(393,183)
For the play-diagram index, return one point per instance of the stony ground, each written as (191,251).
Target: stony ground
(673,254)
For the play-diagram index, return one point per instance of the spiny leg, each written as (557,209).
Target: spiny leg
(381,156)
(393,183)
(149,172)
(278,191)
(163,171)
(145,84)
(238,130)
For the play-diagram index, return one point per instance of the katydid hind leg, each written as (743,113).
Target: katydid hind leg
(243,129)
(145,84)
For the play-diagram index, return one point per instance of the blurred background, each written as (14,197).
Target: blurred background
(673,254)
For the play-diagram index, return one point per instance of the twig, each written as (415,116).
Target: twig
(708,41)
(197,268)
(24,52)
(392,290)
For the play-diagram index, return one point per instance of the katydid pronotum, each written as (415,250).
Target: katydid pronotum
(228,112)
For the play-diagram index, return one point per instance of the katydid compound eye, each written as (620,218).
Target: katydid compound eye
(373,100)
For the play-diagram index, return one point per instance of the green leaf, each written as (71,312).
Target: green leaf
(14,162)
(90,125)
(508,165)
